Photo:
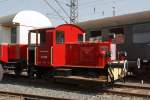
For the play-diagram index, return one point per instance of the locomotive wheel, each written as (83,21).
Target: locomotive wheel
(18,71)
(47,75)
(19,68)
(1,72)
(32,73)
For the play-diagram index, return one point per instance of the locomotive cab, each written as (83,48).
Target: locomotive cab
(47,47)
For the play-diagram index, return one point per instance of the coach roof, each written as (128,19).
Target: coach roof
(116,20)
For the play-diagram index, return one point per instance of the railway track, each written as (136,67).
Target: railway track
(5,95)
(133,85)
(131,89)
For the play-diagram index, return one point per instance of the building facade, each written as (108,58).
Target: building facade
(14,28)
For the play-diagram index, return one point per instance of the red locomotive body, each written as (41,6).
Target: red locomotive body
(88,55)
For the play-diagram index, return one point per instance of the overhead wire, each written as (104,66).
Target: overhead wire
(63,2)
(113,2)
(55,16)
(89,2)
(51,14)
(3,0)
(98,2)
(62,8)
(102,4)
(55,11)
(85,6)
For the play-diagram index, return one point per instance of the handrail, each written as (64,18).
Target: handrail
(51,55)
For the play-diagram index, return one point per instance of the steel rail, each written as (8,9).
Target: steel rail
(31,96)
(142,86)
(111,91)
(129,89)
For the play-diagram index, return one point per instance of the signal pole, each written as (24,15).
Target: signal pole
(114,11)
(73,11)
(114,8)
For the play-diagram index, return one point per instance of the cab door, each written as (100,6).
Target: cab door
(59,48)
(44,49)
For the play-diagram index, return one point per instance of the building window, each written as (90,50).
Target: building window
(141,33)
(14,35)
(60,37)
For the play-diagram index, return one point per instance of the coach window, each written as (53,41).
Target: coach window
(60,37)
(119,35)
(14,35)
(141,33)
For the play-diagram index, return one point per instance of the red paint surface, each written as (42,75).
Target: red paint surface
(88,55)
(23,52)
(13,52)
(59,50)
(4,52)
(43,56)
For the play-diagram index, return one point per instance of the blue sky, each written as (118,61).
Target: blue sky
(86,8)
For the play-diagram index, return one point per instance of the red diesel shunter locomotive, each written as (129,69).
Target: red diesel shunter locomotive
(63,51)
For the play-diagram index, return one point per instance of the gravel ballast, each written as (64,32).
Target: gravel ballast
(18,85)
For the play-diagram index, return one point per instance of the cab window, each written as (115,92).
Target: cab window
(80,38)
(33,38)
(60,37)
(42,37)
